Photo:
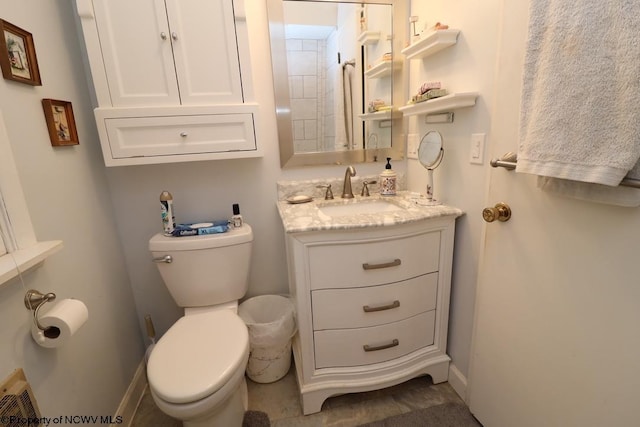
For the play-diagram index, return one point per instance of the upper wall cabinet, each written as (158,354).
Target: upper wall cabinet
(172,79)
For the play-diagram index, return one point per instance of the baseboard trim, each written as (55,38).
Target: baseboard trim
(458,382)
(132,397)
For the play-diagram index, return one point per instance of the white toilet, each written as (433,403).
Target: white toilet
(196,370)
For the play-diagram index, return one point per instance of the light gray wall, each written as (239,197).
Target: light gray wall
(206,190)
(68,198)
(468,66)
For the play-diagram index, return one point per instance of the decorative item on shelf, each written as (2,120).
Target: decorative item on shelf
(61,123)
(440,26)
(378,105)
(387,57)
(18,59)
(363,17)
(428,91)
(414,34)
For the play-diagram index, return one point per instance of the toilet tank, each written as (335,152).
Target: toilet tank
(205,270)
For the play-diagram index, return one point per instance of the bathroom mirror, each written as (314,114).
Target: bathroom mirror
(430,154)
(337,75)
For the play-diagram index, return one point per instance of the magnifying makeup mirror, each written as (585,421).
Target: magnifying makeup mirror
(430,154)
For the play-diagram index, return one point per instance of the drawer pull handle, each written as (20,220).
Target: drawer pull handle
(368,309)
(393,343)
(184,134)
(396,262)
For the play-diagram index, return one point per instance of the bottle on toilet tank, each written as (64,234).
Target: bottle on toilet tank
(166,212)
(236,219)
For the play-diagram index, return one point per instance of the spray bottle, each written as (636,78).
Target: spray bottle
(166,210)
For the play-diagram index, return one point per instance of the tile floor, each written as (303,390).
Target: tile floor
(280,400)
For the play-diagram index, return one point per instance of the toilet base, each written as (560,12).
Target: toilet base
(214,411)
(231,413)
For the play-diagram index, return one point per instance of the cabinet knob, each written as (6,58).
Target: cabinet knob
(184,134)
(163,35)
(174,36)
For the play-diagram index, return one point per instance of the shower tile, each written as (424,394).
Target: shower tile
(310,129)
(303,109)
(293,44)
(302,63)
(296,86)
(310,86)
(311,45)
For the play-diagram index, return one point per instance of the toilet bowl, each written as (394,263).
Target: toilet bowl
(196,370)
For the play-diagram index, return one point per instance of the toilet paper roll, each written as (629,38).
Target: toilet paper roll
(62,320)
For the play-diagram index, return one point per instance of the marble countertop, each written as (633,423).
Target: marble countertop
(303,217)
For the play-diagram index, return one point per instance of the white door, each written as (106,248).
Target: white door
(136,47)
(557,328)
(205,50)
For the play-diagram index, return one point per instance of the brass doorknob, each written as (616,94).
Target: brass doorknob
(501,212)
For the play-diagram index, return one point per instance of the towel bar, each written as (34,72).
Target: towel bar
(509,161)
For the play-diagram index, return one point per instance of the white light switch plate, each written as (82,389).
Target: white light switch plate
(476,149)
(412,145)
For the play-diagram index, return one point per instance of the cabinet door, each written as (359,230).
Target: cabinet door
(205,51)
(136,48)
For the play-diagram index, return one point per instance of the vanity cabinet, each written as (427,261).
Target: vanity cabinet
(372,306)
(172,79)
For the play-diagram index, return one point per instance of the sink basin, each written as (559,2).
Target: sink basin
(356,208)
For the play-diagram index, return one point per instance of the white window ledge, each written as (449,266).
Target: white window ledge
(26,259)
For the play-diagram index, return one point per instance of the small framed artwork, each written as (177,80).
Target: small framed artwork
(18,55)
(60,122)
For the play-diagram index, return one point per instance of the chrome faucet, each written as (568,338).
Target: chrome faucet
(347,193)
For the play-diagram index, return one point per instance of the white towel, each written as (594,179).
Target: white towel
(580,113)
(343,98)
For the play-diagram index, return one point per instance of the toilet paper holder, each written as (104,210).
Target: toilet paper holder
(33,300)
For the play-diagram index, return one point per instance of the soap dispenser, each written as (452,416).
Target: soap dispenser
(388,179)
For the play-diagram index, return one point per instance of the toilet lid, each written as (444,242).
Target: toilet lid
(198,355)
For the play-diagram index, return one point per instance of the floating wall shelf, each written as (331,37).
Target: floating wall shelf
(378,115)
(379,70)
(369,37)
(431,43)
(444,104)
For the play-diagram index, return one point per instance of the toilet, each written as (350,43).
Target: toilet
(196,370)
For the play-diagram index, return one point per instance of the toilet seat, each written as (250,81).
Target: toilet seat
(197,356)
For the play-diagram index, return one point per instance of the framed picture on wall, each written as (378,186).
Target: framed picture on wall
(60,122)
(18,55)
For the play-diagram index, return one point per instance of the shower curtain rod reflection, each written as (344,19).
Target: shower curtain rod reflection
(509,162)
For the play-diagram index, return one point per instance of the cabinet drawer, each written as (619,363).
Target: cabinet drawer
(346,347)
(175,135)
(373,262)
(373,305)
